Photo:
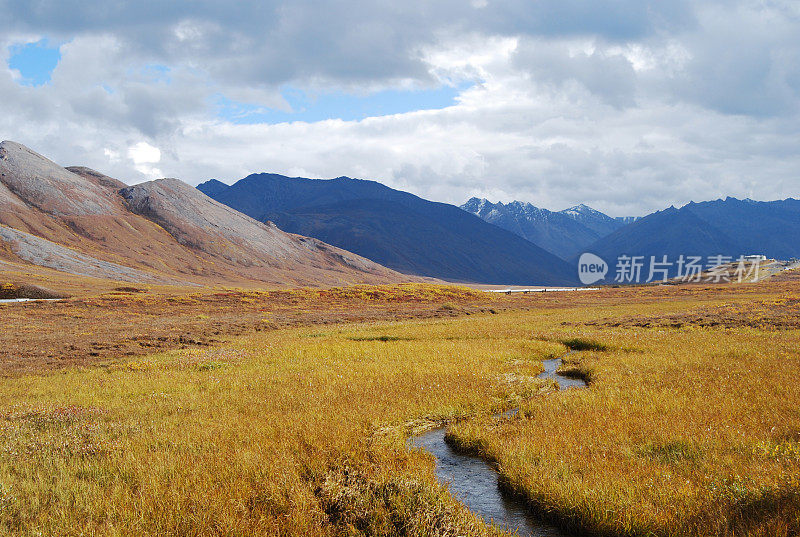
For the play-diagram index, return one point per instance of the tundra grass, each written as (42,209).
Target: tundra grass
(276,434)
(690,430)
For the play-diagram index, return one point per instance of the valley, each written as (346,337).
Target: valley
(172,366)
(307,268)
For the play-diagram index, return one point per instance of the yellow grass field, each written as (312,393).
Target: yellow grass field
(685,429)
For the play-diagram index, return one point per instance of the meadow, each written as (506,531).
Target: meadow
(690,431)
(686,428)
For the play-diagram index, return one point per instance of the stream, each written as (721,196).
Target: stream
(474,482)
(15,300)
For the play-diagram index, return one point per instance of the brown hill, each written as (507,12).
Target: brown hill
(82,222)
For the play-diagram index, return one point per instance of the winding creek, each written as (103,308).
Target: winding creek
(474,482)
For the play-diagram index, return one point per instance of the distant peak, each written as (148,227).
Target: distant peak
(213,182)
(731,199)
(169,180)
(212,187)
(261,176)
(580,208)
(583,210)
(476,205)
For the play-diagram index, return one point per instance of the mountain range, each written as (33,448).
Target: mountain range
(565,233)
(727,227)
(396,229)
(273,230)
(724,227)
(82,222)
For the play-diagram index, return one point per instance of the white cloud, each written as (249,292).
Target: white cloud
(145,157)
(627,106)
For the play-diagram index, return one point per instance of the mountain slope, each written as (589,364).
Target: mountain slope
(727,227)
(565,233)
(771,228)
(396,229)
(670,232)
(160,231)
(199,222)
(44,253)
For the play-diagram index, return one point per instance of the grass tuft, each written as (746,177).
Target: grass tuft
(672,452)
(584,344)
(379,338)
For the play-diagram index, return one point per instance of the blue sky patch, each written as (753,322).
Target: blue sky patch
(339,105)
(157,72)
(34,61)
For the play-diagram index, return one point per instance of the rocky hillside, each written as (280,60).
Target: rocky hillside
(80,221)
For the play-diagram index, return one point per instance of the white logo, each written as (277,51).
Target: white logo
(591,268)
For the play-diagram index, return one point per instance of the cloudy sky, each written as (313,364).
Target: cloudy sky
(626,105)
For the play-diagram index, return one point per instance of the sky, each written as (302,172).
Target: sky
(628,106)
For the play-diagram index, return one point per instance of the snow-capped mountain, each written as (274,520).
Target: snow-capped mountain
(564,233)
(601,223)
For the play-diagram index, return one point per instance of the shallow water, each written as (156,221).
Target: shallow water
(550,367)
(474,482)
(13,300)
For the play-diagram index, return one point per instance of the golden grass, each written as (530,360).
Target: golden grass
(132,321)
(692,431)
(291,432)
(302,431)
(778,312)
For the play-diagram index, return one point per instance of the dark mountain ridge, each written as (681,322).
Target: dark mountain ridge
(729,227)
(394,228)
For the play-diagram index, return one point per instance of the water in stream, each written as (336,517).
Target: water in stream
(475,482)
(13,300)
